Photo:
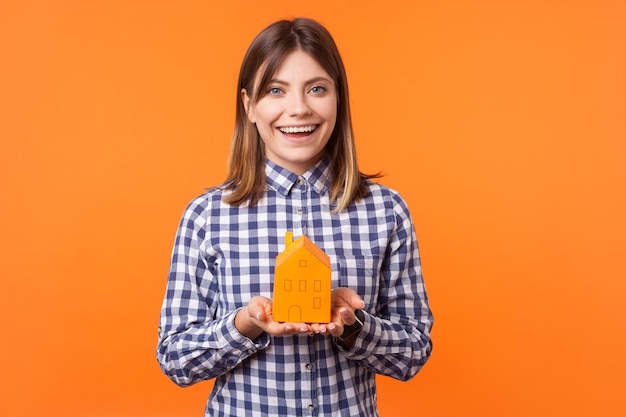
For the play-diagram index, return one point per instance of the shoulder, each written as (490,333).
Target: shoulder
(206,204)
(382,193)
(386,201)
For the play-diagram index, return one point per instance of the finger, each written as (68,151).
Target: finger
(285,329)
(354,299)
(344,295)
(299,328)
(334,330)
(347,316)
(357,302)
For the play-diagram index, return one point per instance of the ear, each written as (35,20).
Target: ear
(246,105)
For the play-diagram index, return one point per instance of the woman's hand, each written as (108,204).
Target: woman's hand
(256,318)
(344,302)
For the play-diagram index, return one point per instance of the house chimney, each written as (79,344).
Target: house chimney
(288,239)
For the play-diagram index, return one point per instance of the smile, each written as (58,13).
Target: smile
(297,129)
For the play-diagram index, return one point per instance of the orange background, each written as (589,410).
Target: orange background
(502,123)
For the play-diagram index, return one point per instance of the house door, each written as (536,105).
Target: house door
(295,314)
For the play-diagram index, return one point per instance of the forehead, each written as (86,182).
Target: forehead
(296,65)
(300,64)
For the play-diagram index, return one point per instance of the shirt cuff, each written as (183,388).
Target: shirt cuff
(359,349)
(245,344)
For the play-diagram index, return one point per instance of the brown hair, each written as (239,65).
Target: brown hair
(246,163)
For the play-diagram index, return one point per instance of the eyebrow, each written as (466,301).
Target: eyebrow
(311,81)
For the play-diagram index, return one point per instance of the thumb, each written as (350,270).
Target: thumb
(357,302)
(259,314)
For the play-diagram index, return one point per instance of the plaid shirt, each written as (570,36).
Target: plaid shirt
(224,255)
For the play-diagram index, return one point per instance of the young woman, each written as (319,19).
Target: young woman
(293,168)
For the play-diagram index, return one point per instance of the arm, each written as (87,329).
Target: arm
(193,343)
(196,342)
(395,339)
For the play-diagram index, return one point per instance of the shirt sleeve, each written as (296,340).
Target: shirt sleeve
(193,343)
(395,339)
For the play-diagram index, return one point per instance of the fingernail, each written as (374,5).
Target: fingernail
(258,315)
(363,302)
(288,328)
(331,326)
(304,329)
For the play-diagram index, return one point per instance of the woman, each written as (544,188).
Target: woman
(293,168)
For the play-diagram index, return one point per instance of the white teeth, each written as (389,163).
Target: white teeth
(298,129)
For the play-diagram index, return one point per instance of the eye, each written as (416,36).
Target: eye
(274,91)
(318,89)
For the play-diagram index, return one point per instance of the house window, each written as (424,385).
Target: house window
(317,285)
(287,285)
(302,285)
(302,263)
(317,302)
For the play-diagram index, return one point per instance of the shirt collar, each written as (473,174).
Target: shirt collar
(283,180)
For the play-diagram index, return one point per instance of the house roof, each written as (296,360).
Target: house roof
(303,242)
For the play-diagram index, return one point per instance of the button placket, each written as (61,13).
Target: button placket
(302,187)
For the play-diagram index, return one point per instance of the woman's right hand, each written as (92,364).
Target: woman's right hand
(256,318)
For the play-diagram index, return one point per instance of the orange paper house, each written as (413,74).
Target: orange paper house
(302,283)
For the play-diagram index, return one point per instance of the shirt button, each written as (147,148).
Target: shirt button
(301,181)
(309,366)
(311,407)
(299,211)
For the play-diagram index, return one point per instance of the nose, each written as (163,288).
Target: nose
(297,105)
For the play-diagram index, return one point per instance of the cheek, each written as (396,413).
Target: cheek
(264,114)
(331,119)
(330,112)
(263,121)
(334,117)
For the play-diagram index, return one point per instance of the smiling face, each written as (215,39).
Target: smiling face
(296,114)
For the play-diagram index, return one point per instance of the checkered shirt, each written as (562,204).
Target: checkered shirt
(224,255)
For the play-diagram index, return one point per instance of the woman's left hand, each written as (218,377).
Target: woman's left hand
(344,302)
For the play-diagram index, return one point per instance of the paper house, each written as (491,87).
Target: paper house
(302,283)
